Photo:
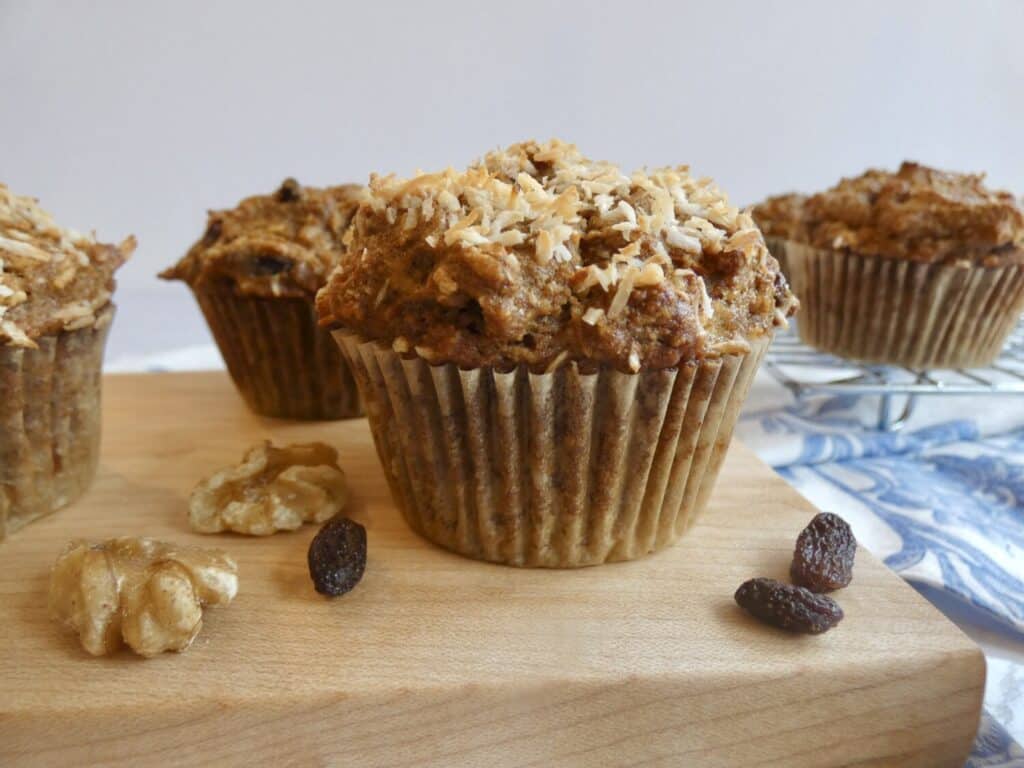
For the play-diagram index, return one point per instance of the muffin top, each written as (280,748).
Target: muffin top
(779,216)
(536,254)
(51,279)
(917,213)
(283,244)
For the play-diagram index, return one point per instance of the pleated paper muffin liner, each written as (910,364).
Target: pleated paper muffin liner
(283,364)
(559,470)
(902,312)
(49,422)
(777,248)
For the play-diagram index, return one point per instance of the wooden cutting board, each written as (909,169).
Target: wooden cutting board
(438,661)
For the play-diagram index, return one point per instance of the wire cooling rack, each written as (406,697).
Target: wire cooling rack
(806,372)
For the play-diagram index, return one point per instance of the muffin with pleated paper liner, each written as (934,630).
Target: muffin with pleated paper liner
(778,217)
(56,286)
(255,273)
(920,268)
(552,353)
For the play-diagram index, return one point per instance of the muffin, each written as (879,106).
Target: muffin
(552,353)
(55,311)
(920,268)
(778,218)
(255,273)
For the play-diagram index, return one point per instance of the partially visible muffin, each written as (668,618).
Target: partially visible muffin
(778,217)
(552,352)
(255,273)
(920,214)
(55,311)
(921,267)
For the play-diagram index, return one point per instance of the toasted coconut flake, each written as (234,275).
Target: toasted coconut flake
(650,274)
(448,201)
(630,251)
(562,254)
(593,315)
(545,246)
(622,293)
(677,238)
(732,347)
(411,218)
(16,335)
(744,240)
(20,248)
(634,361)
(510,238)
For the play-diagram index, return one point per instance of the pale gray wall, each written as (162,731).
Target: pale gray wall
(136,117)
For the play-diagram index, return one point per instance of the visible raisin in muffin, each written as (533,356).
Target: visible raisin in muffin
(255,273)
(552,352)
(55,312)
(921,267)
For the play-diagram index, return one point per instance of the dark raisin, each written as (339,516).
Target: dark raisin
(337,556)
(823,558)
(791,608)
(267,265)
(471,318)
(290,191)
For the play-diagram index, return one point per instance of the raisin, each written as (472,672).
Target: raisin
(267,264)
(290,191)
(823,558)
(791,608)
(337,556)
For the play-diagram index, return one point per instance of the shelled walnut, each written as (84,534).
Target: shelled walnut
(273,489)
(146,593)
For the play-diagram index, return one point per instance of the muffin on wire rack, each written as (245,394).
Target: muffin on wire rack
(920,268)
(552,353)
(55,311)
(255,273)
(778,217)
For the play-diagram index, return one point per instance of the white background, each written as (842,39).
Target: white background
(133,117)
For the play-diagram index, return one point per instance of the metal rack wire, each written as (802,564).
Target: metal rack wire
(806,372)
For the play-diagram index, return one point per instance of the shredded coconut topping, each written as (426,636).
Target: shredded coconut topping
(52,278)
(505,200)
(507,237)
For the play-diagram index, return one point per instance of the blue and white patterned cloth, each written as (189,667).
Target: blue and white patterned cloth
(941,502)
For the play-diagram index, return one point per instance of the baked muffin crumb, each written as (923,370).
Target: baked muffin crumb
(279,245)
(780,215)
(917,213)
(536,254)
(52,279)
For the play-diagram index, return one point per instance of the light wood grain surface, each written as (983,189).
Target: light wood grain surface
(438,661)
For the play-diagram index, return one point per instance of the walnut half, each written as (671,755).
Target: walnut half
(273,489)
(144,592)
